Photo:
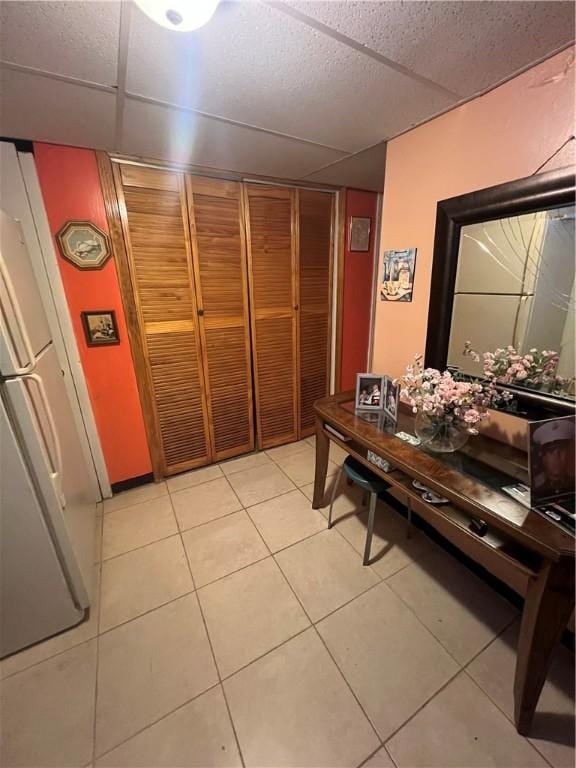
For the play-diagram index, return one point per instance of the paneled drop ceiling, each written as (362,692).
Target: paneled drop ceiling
(292,88)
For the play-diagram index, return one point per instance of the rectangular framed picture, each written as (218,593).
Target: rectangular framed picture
(398,275)
(391,398)
(100,328)
(551,456)
(369,392)
(359,234)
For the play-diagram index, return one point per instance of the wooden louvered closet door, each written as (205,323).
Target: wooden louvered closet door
(315,248)
(154,217)
(274,300)
(218,244)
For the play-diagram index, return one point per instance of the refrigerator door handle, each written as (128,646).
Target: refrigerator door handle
(20,371)
(57,464)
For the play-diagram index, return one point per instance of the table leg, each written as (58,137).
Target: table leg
(547,609)
(322,451)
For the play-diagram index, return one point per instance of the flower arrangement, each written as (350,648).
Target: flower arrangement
(507,366)
(446,400)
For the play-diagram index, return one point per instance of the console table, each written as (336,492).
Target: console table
(520,547)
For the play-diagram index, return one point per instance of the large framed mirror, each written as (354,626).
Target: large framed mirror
(502,300)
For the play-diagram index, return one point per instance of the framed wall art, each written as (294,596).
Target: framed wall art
(84,245)
(100,328)
(398,275)
(359,234)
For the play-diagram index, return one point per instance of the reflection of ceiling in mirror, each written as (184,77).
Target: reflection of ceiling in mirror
(515,285)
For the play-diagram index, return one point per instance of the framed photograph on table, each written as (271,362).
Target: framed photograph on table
(391,398)
(369,392)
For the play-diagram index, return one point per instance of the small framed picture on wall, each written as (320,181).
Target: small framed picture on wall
(359,240)
(100,328)
(369,392)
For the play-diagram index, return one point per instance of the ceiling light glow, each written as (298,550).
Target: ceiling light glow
(179,15)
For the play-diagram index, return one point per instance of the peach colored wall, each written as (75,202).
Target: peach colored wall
(506,134)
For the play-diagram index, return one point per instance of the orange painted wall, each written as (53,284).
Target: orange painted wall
(71,190)
(506,134)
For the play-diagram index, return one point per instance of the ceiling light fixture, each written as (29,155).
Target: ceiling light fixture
(179,15)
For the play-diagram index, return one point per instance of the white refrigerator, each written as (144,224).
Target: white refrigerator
(47,509)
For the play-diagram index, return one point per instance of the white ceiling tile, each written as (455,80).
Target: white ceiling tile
(364,170)
(181,136)
(465,46)
(78,39)
(50,110)
(255,65)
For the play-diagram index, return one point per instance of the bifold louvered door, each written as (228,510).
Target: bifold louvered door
(274,304)
(315,215)
(218,244)
(154,217)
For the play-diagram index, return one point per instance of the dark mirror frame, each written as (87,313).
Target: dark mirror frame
(535,193)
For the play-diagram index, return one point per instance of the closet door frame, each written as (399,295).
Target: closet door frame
(333,254)
(143,381)
(295,308)
(116,210)
(201,322)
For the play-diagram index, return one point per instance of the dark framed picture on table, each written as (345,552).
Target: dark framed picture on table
(100,328)
(391,398)
(369,392)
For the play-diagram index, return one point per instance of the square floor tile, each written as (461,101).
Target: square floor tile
(245,462)
(325,572)
(461,727)
(194,477)
(391,661)
(553,727)
(47,711)
(59,643)
(197,735)
(150,666)
(348,500)
(202,503)
(222,547)
(391,549)
(143,579)
(292,708)
(300,466)
(281,451)
(137,525)
(249,613)
(458,608)
(260,483)
(135,496)
(286,520)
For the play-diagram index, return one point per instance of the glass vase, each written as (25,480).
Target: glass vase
(440,434)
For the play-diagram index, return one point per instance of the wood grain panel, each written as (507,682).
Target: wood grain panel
(270,224)
(155,221)
(219,248)
(315,223)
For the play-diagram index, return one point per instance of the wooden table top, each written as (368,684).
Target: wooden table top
(479,496)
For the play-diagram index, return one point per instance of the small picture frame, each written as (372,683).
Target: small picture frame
(100,328)
(391,398)
(84,245)
(359,234)
(369,392)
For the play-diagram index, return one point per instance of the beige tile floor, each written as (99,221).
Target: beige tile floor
(232,628)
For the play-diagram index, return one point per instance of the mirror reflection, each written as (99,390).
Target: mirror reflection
(514,302)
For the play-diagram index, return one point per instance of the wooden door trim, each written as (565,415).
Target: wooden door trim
(247,310)
(340,264)
(252,314)
(196,293)
(131,311)
(296,379)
